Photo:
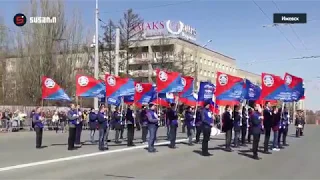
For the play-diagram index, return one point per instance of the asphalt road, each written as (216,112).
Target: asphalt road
(20,160)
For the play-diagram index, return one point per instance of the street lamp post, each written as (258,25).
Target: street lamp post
(96,56)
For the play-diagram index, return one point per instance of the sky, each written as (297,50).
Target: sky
(236,29)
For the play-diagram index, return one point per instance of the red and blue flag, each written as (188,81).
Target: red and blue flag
(190,100)
(144,93)
(296,85)
(88,86)
(52,91)
(187,82)
(229,89)
(118,87)
(274,88)
(169,82)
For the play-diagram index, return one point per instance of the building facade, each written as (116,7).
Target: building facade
(184,56)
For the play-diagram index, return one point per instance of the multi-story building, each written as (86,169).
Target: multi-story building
(184,56)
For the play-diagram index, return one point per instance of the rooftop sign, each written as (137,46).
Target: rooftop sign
(167,28)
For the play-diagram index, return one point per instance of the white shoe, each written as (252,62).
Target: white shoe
(275,149)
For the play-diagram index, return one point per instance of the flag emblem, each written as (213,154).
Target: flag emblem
(223,79)
(288,80)
(139,88)
(49,83)
(83,81)
(184,82)
(163,76)
(111,81)
(268,80)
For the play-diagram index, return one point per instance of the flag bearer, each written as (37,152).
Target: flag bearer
(130,125)
(38,126)
(173,122)
(93,119)
(227,126)
(198,123)
(244,127)
(284,126)
(79,125)
(117,118)
(103,125)
(256,127)
(153,120)
(207,124)
(72,118)
(237,116)
(267,125)
(190,123)
(144,124)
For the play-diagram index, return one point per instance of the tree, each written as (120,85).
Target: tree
(3,48)
(184,64)
(51,50)
(164,53)
(108,48)
(129,34)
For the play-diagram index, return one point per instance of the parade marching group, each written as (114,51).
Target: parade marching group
(238,123)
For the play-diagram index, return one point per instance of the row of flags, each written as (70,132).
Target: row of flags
(172,87)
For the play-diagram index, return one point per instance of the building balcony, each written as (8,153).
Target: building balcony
(156,58)
(141,73)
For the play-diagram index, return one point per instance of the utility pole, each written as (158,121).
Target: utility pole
(96,56)
(116,62)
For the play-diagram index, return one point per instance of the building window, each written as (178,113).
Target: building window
(201,71)
(200,60)
(212,74)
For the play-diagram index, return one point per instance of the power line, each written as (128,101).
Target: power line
(280,61)
(275,26)
(295,33)
(152,7)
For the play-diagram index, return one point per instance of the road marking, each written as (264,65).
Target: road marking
(20,166)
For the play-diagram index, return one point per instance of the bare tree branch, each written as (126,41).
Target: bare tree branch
(129,33)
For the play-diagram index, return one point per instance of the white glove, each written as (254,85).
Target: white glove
(194,116)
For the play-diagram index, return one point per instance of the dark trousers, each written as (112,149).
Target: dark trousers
(92,132)
(152,128)
(267,132)
(228,138)
(130,134)
(102,133)
(206,138)
(298,132)
(255,144)
(168,131)
(183,127)
(144,133)
(121,131)
(78,134)
(249,134)
(243,134)
(283,133)
(39,132)
(198,133)
(138,126)
(190,133)
(236,138)
(71,138)
(173,135)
